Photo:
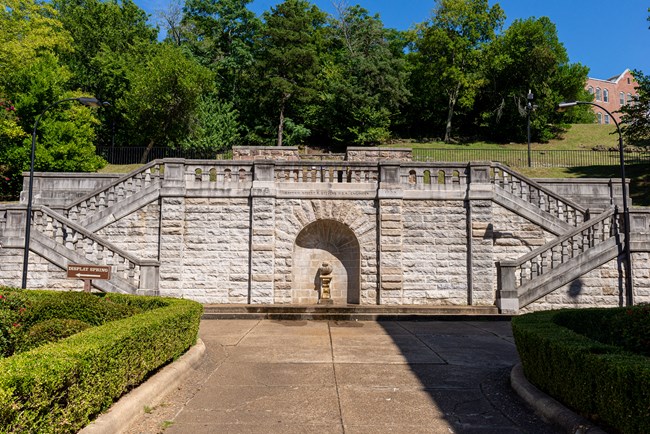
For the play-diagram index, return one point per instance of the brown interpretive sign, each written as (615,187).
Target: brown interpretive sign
(90,272)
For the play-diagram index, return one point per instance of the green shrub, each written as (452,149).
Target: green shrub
(603,382)
(12,311)
(51,330)
(90,308)
(60,387)
(627,327)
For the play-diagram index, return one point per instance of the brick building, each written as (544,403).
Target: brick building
(612,93)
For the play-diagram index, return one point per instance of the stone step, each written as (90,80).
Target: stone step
(351,312)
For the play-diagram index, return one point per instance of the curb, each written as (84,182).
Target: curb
(123,413)
(548,408)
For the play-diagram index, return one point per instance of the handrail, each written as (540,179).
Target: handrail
(540,196)
(115,192)
(559,250)
(75,238)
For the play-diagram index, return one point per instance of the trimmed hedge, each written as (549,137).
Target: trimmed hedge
(603,382)
(60,387)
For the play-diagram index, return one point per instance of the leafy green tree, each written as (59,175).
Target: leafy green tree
(32,77)
(214,128)
(221,34)
(364,83)
(529,56)
(289,60)
(636,119)
(105,34)
(165,87)
(450,49)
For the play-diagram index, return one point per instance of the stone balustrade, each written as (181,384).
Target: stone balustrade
(116,192)
(541,197)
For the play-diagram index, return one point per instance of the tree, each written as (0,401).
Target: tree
(450,49)
(214,128)
(289,58)
(106,34)
(528,56)
(164,90)
(221,34)
(364,81)
(636,115)
(32,77)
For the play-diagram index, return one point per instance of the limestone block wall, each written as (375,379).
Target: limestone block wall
(338,225)
(204,251)
(138,233)
(434,252)
(41,273)
(601,287)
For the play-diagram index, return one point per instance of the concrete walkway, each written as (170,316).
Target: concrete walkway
(264,376)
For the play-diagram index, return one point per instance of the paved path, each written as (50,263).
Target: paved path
(286,377)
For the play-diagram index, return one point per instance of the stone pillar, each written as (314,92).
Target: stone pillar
(262,245)
(483,272)
(507,298)
(172,245)
(391,274)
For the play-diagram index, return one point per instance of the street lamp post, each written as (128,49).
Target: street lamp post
(629,292)
(87,101)
(529,109)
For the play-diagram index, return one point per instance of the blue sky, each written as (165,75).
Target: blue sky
(606,36)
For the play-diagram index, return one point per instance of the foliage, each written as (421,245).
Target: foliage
(12,308)
(289,60)
(450,49)
(364,83)
(165,86)
(600,381)
(223,76)
(636,119)
(628,328)
(48,331)
(528,56)
(215,126)
(61,387)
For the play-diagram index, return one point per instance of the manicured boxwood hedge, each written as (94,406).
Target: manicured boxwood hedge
(60,387)
(601,381)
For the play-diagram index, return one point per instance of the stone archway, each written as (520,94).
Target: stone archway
(326,241)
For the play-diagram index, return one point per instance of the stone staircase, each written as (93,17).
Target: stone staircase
(582,244)
(560,261)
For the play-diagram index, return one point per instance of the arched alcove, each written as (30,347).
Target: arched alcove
(326,241)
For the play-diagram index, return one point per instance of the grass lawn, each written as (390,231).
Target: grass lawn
(579,137)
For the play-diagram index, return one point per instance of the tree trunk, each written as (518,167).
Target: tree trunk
(281,126)
(145,154)
(453,97)
(281,123)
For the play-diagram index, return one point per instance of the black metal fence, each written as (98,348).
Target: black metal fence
(511,157)
(539,158)
(133,155)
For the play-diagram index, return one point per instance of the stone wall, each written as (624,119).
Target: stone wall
(379,154)
(434,252)
(204,249)
(392,234)
(282,153)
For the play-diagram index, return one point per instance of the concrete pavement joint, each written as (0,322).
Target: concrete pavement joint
(336,381)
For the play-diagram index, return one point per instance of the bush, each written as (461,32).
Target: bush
(12,310)
(598,380)
(90,308)
(61,386)
(48,331)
